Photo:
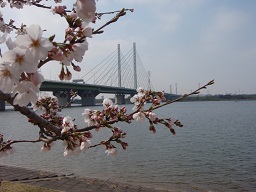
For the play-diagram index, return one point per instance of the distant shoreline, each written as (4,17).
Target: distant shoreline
(227,97)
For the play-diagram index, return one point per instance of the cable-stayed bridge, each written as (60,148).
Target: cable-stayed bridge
(117,74)
(119,70)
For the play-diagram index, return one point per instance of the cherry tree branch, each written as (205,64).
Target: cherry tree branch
(114,19)
(37,120)
(8,144)
(41,63)
(129,116)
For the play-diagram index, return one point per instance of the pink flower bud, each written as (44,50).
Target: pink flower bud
(68,76)
(73,15)
(69,38)
(76,67)
(59,9)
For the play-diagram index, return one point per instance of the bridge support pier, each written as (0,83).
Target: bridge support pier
(2,105)
(120,99)
(63,97)
(88,97)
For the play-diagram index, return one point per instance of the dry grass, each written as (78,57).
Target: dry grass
(21,187)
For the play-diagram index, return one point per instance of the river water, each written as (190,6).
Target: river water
(214,151)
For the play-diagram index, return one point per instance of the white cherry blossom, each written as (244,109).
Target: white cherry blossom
(3,38)
(111,151)
(68,152)
(107,102)
(138,116)
(38,45)
(79,50)
(87,31)
(26,92)
(86,115)
(10,44)
(152,116)
(86,9)
(67,124)
(85,145)
(22,59)
(67,59)
(9,76)
(136,99)
(141,91)
(36,78)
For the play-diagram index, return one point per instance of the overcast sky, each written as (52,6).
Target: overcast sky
(183,42)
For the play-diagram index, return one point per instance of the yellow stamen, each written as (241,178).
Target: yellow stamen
(35,43)
(19,59)
(6,73)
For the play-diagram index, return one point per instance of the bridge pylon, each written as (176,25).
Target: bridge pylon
(2,105)
(88,97)
(63,97)
(120,99)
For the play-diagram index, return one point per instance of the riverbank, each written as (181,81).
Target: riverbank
(7,186)
(64,182)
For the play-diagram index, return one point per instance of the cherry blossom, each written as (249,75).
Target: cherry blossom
(59,9)
(79,50)
(73,15)
(68,152)
(85,145)
(47,147)
(141,91)
(86,10)
(67,59)
(67,124)
(57,54)
(36,78)
(138,116)
(111,151)
(25,92)
(3,38)
(10,44)
(9,76)
(21,59)
(136,99)
(87,31)
(107,102)
(152,116)
(33,40)
(86,115)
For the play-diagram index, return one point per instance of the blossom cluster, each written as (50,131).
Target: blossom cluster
(50,108)
(110,113)
(105,118)
(19,66)
(74,140)
(155,98)
(143,97)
